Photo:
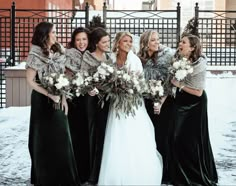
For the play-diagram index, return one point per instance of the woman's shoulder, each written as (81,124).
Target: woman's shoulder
(133,56)
(34,59)
(200,65)
(89,59)
(72,52)
(165,54)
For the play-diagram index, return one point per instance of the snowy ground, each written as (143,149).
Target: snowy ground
(15,160)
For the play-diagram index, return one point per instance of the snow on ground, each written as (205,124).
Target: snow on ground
(14,122)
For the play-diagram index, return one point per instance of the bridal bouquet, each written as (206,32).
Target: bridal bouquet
(126,91)
(181,68)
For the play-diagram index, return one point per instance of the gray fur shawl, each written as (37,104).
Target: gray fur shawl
(197,79)
(158,68)
(76,61)
(44,65)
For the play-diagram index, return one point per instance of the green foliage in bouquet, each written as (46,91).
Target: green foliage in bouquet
(126,91)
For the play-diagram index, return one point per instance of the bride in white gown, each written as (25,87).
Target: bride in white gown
(129,155)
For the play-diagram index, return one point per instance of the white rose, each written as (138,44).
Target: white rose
(58,86)
(131,91)
(101,70)
(79,80)
(190,70)
(180,74)
(176,64)
(62,80)
(53,74)
(110,69)
(50,80)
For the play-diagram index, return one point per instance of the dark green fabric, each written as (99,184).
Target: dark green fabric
(87,122)
(50,144)
(163,125)
(193,158)
(78,122)
(97,127)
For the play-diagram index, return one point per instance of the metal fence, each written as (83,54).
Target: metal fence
(218,35)
(165,22)
(5,38)
(217,31)
(16,31)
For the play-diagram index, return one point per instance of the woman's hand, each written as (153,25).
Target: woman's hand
(55,98)
(93,92)
(64,105)
(175,83)
(157,108)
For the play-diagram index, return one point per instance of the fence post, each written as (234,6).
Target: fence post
(105,14)
(12,50)
(87,15)
(178,22)
(196,11)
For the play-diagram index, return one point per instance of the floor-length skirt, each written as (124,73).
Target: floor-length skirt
(129,154)
(78,122)
(97,125)
(50,146)
(194,162)
(163,126)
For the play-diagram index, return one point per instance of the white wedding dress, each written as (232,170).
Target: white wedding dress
(129,154)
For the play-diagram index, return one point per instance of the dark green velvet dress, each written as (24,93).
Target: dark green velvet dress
(78,122)
(193,158)
(97,125)
(157,68)
(163,126)
(50,144)
(87,121)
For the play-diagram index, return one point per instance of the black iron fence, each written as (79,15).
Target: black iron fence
(165,22)
(216,28)
(218,35)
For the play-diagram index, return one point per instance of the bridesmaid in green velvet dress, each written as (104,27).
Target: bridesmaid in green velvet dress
(77,114)
(156,59)
(50,146)
(193,158)
(99,45)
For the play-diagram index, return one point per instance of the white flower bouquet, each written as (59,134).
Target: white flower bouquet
(181,68)
(155,91)
(57,84)
(97,79)
(81,83)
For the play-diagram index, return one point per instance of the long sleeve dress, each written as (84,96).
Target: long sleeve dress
(50,145)
(129,154)
(163,123)
(193,158)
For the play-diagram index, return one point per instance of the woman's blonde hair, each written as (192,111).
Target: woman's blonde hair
(143,43)
(117,39)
